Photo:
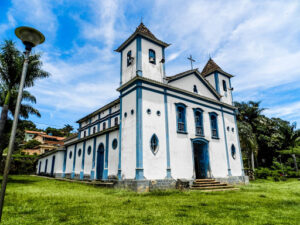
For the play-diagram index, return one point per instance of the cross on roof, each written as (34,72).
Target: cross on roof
(192,60)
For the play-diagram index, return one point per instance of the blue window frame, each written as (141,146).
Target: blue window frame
(224,85)
(214,124)
(181,117)
(152,58)
(89,150)
(116,121)
(104,126)
(198,114)
(115,143)
(233,152)
(79,152)
(154,144)
(129,58)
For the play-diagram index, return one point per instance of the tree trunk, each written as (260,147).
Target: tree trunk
(295,162)
(252,161)
(3,120)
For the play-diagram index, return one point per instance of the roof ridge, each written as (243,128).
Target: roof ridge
(212,66)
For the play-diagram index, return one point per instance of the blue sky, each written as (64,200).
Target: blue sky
(257,41)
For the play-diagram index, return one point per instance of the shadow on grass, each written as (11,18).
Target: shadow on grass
(19,181)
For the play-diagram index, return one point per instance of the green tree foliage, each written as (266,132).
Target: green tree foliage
(63,132)
(31,144)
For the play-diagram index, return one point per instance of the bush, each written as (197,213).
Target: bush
(20,165)
(263,173)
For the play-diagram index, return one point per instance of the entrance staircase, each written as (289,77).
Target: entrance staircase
(211,185)
(102,183)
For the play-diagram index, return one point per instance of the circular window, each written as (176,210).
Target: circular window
(154,143)
(149,111)
(70,154)
(132,111)
(232,129)
(233,152)
(89,150)
(125,114)
(115,144)
(158,113)
(79,152)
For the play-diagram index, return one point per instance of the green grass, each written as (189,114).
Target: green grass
(34,200)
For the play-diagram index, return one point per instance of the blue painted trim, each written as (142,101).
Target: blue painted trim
(226,147)
(121,67)
(120,143)
(169,175)
(217,126)
(74,161)
(182,105)
(239,146)
(105,170)
(175,96)
(82,162)
(109,118)
(79,130)
(139,71)
(217,82)
(201,121)
(139,172)
(98,126)
(89,131)
(46,165)
(93,160)
(65,162)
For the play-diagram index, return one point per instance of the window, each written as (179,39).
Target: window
(214,125)
(104,126)
(125,114)
(70,154)
(101,147)
(116,121)
(152,58)
(232,129)
(84,133)
(233,152)
(89,150)
(195,89)
(149,111)
(132,111)
(198,113)
(154,143)
(115,143)
(224,85)
(158,113)
(181,121)
(129,58)
(79,152)
(94,130)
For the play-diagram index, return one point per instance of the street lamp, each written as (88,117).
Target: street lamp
(30,38)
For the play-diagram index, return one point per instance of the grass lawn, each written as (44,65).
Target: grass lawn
(35,200)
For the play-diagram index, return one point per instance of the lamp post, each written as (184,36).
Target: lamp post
(30,38)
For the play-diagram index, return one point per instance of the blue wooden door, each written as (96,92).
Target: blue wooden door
(100,162)
(201,160)
(52,166)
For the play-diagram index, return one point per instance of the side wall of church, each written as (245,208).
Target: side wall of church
(58,165)
(128,72)
(128,140)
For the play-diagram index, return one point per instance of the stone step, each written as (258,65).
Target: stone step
(102,184)
(212,188)
(209,185)
(206,182)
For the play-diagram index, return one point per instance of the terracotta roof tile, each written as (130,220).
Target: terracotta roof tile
(211,67)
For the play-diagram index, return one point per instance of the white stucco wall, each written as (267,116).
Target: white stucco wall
(128,155)
(128,72)
(211,79)
(226,95)
(150,70)
(188,82)
(113,154)
(58,165)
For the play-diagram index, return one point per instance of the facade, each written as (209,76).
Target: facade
(161,128)
(48,142)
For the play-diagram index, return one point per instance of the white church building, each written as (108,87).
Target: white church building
(160,129)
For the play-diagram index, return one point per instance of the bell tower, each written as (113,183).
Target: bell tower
(142,54)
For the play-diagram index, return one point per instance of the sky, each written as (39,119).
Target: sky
(256,41)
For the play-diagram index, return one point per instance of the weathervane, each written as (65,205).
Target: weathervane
(192,60)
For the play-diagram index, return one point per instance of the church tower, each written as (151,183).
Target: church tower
(142,54)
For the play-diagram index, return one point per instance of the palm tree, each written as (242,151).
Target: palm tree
(11,62)
(249,115)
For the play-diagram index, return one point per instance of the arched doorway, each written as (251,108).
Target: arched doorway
(100,162)
(52,166)
(201,158)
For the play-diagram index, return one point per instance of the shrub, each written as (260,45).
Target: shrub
(263,173)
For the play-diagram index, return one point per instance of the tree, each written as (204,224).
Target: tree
(67,129)
(31,144)
(11,63)
(249,113)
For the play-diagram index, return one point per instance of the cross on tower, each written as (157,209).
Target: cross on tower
(192,60)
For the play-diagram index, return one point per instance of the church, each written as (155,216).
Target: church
(160,129)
